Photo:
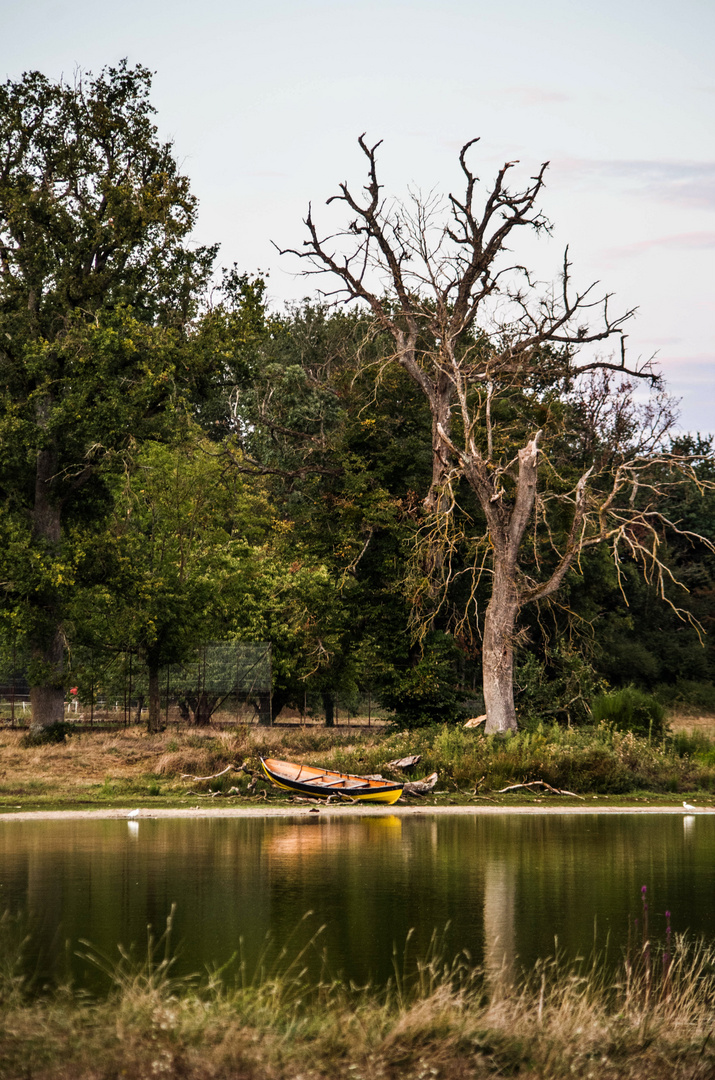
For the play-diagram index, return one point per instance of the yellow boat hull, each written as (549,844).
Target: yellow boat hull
(308,780)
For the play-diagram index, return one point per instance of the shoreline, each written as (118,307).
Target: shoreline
(148,814)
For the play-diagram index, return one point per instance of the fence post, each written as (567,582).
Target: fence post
(12,692)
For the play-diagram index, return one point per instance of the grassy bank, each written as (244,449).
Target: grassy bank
(129,767)
(651,1020)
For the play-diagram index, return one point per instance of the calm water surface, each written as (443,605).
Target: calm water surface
(500,886)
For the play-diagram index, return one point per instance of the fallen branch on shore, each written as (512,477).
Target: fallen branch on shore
(404,763)
(420,787)
(189,776)
(532,784)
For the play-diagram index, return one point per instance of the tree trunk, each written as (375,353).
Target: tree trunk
(154,723)
(328,708)
(264,710)
(47,701)
(498,655)
(501,615)
(47,697)
(203,709)
(278,702)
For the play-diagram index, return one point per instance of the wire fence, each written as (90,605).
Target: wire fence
(221,683)
(227,676)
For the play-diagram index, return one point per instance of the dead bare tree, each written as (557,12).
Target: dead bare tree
(475,331)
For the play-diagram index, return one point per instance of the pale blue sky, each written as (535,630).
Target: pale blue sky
(264,103)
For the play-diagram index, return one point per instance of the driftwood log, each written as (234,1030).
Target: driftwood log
(190,776)
(405,763)
(254,777)
(420,787)
(533,784)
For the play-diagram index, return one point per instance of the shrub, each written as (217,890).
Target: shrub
(688,694)
(630,709)
(55,733)
(426,693)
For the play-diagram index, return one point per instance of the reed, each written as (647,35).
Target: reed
(645,1020)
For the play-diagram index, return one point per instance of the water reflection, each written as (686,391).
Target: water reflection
(505,886)
(499,921)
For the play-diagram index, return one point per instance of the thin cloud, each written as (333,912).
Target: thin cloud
(696,241)
(685,183)
(697,361)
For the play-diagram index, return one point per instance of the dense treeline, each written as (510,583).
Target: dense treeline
(180,465)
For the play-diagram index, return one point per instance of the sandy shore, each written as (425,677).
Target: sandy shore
(146,814)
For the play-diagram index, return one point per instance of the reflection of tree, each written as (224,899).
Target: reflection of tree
(499,921)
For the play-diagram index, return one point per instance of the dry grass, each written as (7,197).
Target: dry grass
(557,1022)
(96,766)
(693,725)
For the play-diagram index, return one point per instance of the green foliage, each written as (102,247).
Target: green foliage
(688,695)
(630,709)
(179,560)
(584,760)
(97,292)
(426,692)
(47,736)
(556,688)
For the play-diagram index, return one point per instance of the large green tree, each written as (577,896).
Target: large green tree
(97,288)
(179,559)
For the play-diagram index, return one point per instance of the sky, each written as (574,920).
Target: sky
(264,102)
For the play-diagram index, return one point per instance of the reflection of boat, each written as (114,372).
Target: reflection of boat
(313,838)
(310,780)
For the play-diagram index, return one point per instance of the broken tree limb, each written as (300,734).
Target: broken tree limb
(420,787)
(475,721)
(190,776)
(531,784)
(404,763)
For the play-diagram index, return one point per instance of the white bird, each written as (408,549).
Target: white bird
(688,806)
(135,813)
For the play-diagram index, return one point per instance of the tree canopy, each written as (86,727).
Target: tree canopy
(441,482)
(97,285)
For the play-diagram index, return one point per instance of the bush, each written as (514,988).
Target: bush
(688,694)
(426,693)
(48,736)
(630,709)
(555,688)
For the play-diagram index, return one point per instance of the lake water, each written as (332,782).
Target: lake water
(500,886)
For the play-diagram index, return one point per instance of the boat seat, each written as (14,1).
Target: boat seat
(343,782)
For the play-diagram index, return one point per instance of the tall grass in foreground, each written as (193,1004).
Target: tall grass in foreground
(651,1019)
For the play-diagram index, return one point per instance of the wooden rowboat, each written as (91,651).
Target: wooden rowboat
(311,780)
